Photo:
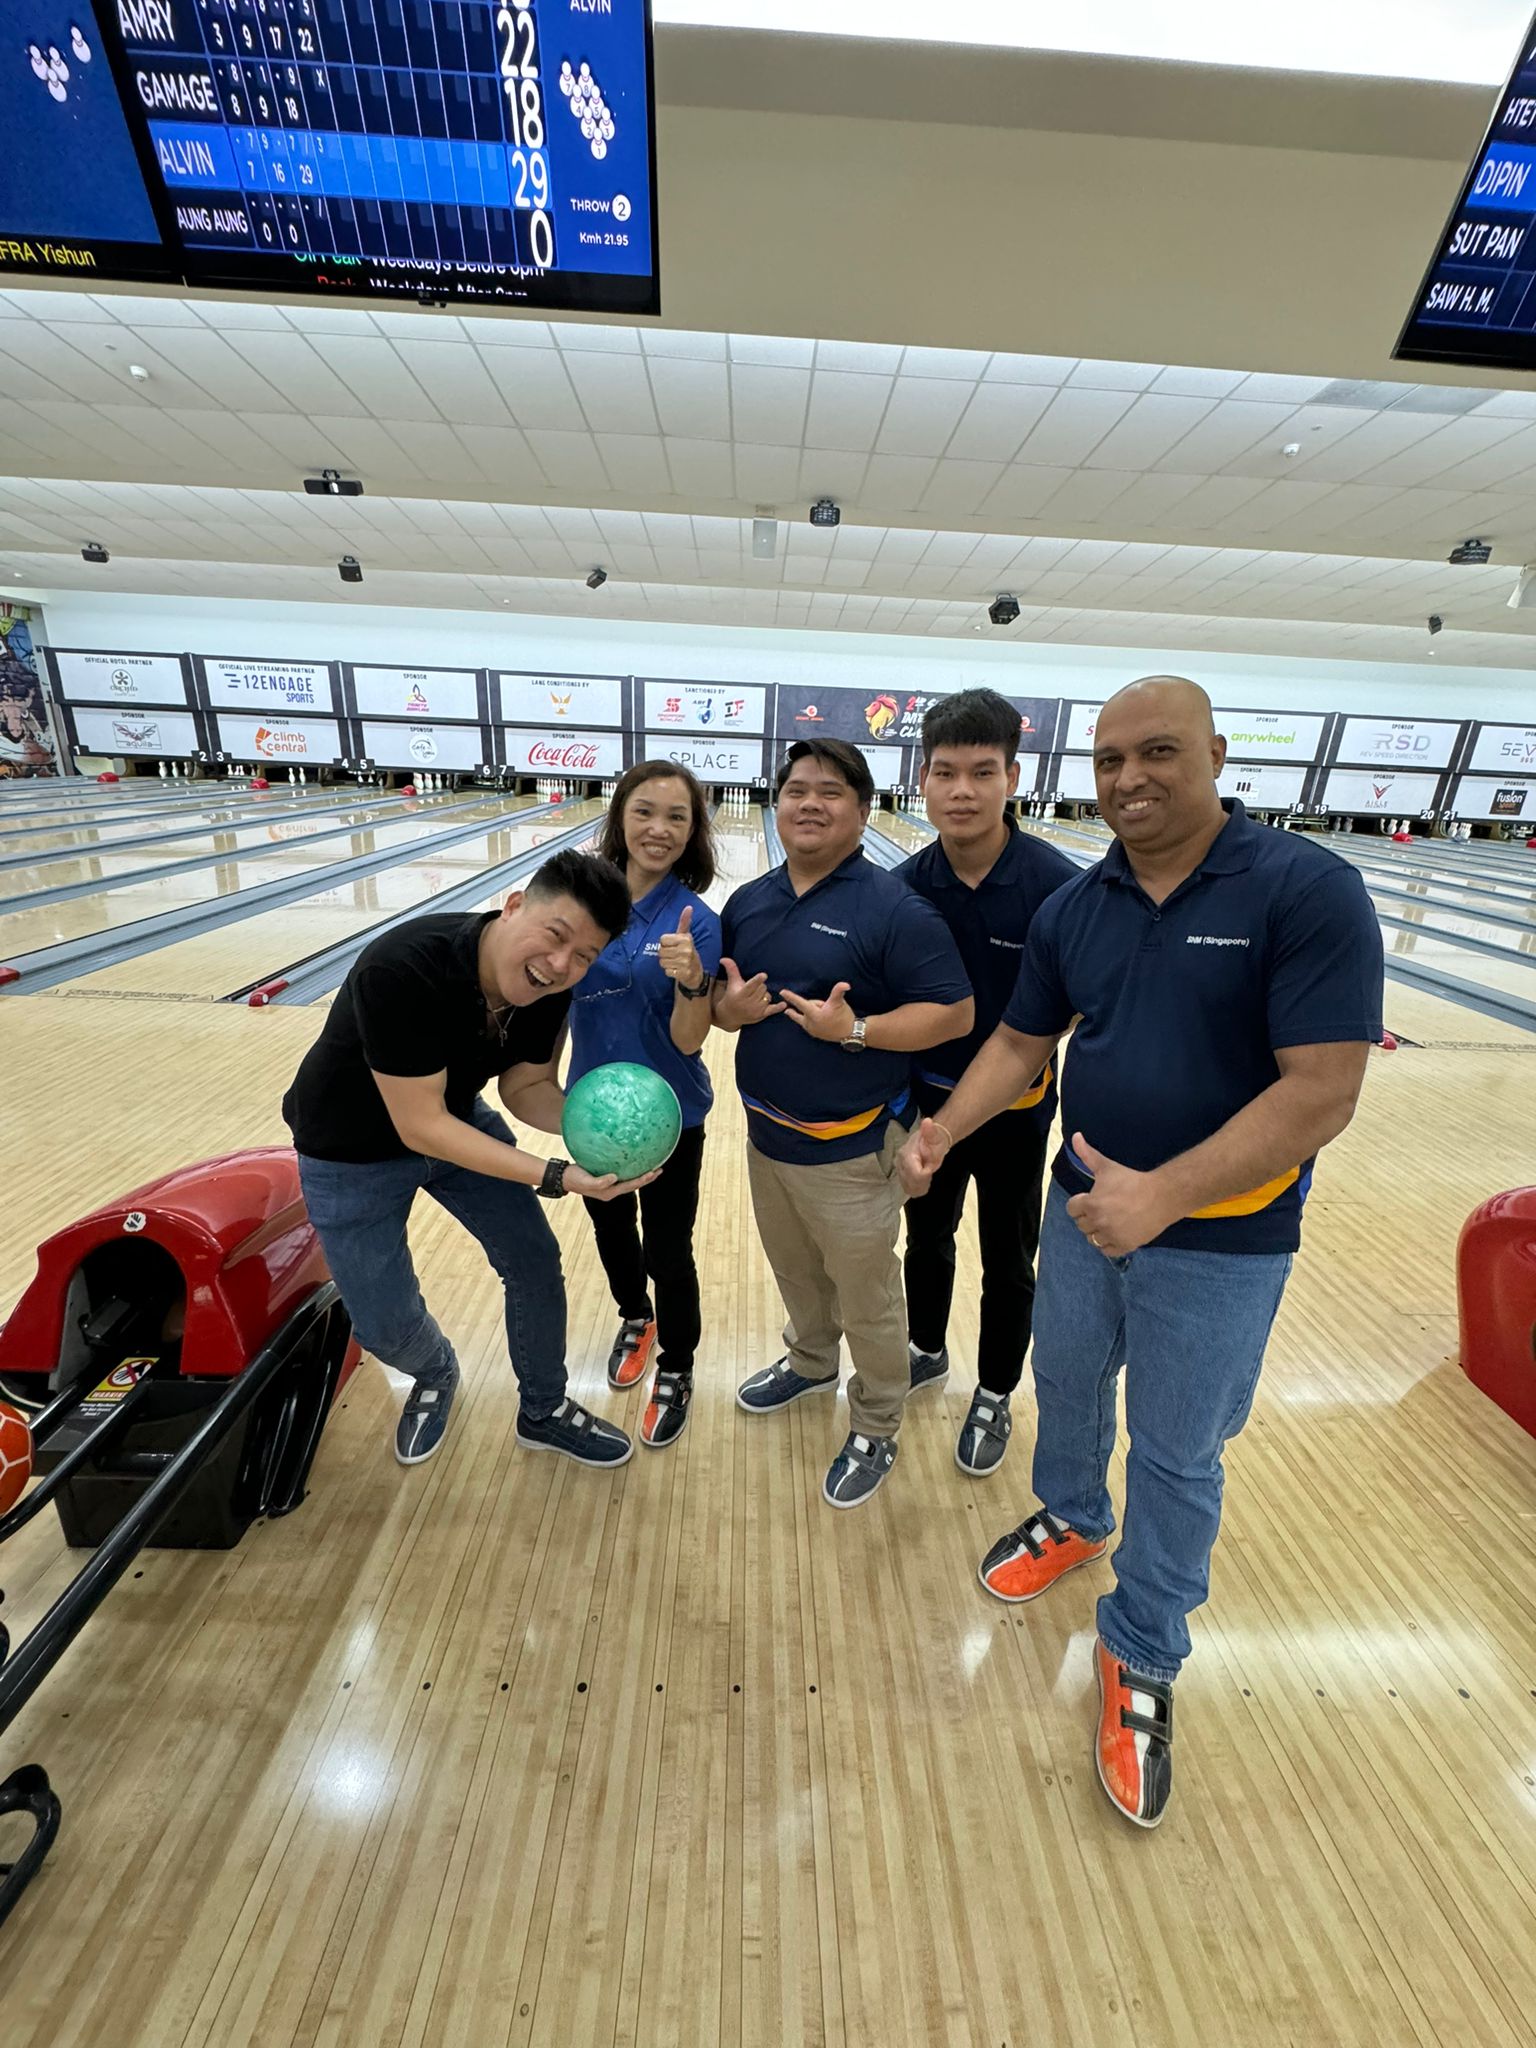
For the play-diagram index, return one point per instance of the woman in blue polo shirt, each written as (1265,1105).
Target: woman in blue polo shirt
(646,999)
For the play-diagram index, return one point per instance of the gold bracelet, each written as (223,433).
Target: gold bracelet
(945,1129)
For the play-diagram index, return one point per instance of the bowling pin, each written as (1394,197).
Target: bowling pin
(164,771)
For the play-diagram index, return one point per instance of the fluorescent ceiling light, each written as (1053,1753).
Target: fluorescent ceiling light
(1465,42)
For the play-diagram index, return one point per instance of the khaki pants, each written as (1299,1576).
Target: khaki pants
(830,1235)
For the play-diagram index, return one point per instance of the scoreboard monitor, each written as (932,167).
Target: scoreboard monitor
(484,150)
(73,202)
(1477,305)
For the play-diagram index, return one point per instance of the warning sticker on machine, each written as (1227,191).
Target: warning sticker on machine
(121,1380)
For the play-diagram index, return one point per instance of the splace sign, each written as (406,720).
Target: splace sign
(173,733)
(892,717)
(417,693)
(268,685)
(565,753)
(704,707)
(1487,796)
(1505,749)
(423,746)
(1360,790)
(585,701)
(1250,735)
(722,760)
(280,738)
(1404,742)
(103,678)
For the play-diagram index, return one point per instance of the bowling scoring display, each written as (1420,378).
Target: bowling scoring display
(1478,302)
(483,150)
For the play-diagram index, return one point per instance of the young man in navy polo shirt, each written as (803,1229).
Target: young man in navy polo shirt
(986,879)
(1227,980)
(835,975)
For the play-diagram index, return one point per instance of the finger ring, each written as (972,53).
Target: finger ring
(1095,1241)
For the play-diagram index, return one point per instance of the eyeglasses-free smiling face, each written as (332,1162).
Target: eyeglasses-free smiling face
(1156,757)
(657,824)
(538,945)
(819,816)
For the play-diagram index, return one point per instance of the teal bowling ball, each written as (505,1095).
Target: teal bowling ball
(621,1119)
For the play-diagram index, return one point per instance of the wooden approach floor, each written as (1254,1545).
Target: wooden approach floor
(500,1751)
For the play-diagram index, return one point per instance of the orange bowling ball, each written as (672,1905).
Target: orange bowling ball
(15,1456)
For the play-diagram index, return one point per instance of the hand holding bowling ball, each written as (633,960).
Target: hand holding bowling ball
(15,1456)
(679,955)
(620,1119)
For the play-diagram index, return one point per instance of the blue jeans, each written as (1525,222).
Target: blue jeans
(1190,1329)
(360,1213)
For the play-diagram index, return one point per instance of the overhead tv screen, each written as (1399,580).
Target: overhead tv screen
(1478,302)
(73,203)
(429,149)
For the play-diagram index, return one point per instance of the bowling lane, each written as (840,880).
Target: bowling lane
(214,963)
(239,837)
(23,930)
(64,837)
(44,800)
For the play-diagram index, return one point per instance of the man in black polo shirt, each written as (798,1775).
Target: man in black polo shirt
(986,879)
(1227,980)
(387,1102)
(844,975)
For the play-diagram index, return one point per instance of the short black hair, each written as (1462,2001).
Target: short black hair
(839,754)
(591,881)
(972,718)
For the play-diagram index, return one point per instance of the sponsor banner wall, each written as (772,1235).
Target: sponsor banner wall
(276,738)
(172,733)
(582,701)
(712,760)
(118,678)
(1399,742)
(887,765)
(419,693)
(1375,790)
(1074,779)
(423,746)
(268,685)
(1505,749)
(1263,785)
(1250,735)
(716,708)
(889,717)
(1493,796)
(564,753)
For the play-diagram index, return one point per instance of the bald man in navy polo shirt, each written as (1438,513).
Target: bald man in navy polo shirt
(1227,982)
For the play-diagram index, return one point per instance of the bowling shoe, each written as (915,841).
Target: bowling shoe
(1030,1559)
(984,1434)
(666,1413)
(775,1386)
(631,1352)
(575,1433)
(424,1418)
(1134,1745)
(929,1368)
(858,1470)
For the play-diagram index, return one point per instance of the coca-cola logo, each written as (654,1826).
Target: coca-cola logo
(579,754)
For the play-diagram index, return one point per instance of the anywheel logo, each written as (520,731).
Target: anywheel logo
(577,755)
(271,742)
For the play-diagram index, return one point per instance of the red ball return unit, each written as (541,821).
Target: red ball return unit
(1496,1291)
(178,1353)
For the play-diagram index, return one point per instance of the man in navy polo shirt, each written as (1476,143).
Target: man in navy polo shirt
(1227,980)
(986,879)
(844,974)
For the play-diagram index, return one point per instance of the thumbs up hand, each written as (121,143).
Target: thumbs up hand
(1124,1209)
(679,955)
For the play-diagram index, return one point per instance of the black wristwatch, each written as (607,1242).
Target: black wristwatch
(703,988)
(552,1186)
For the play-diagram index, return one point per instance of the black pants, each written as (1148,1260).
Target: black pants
(661,1246)
(1006,1159)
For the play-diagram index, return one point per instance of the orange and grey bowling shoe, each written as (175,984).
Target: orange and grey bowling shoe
(1028,1560)
(1134,1746)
